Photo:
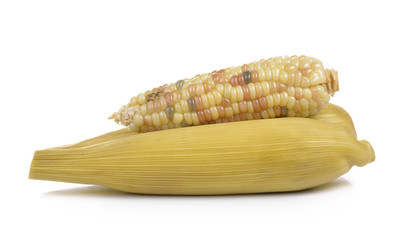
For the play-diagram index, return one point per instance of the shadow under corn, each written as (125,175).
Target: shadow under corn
(105,192)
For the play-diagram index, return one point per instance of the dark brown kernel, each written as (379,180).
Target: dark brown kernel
(192,104)
(284,111)
(170,112)
(179,84)
(247,77)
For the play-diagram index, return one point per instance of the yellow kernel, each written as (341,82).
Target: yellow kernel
(264,114)
(143,110)
(252,90)
(141,99)
(283,99)
(239,91)
(144,129)
(164,127)
(270,101)
(133,101)
(210,99)
(291,102)
(315,78)
(171,125)
(249,116)
(261,74)
(298,80)
(324,95)
(271,112)
(205,101)
(316,64)
(291,113)
(177,118)
(200,90)
(305,63)
(214,112)
(163,118)
(275,73)
(195,119)
(259,90)
(220,88)
(133,127)
(226,92)
(184,105)
(138,120)
(188,118)
(291,91)
(250,108)
(265,88)
(268,74)
(305,82)
(304,104)
(211,82)
(313,106)
(184,94)
(235,107)
(286,60)
(284,77)
(177,108)
(229,112)
(217,96)
(304,113)
(233,94)
(307,93)
(156,119)
(276,99)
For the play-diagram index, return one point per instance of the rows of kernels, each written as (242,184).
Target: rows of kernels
(289,83)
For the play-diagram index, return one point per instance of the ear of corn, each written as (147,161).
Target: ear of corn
(335,114)
(296,86)
(271,155)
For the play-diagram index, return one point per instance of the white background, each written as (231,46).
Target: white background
(65,66)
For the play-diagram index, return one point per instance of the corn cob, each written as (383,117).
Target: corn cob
(296,86)
(270,155)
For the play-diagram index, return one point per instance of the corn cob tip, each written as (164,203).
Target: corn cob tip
(366,154)
(332,83)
